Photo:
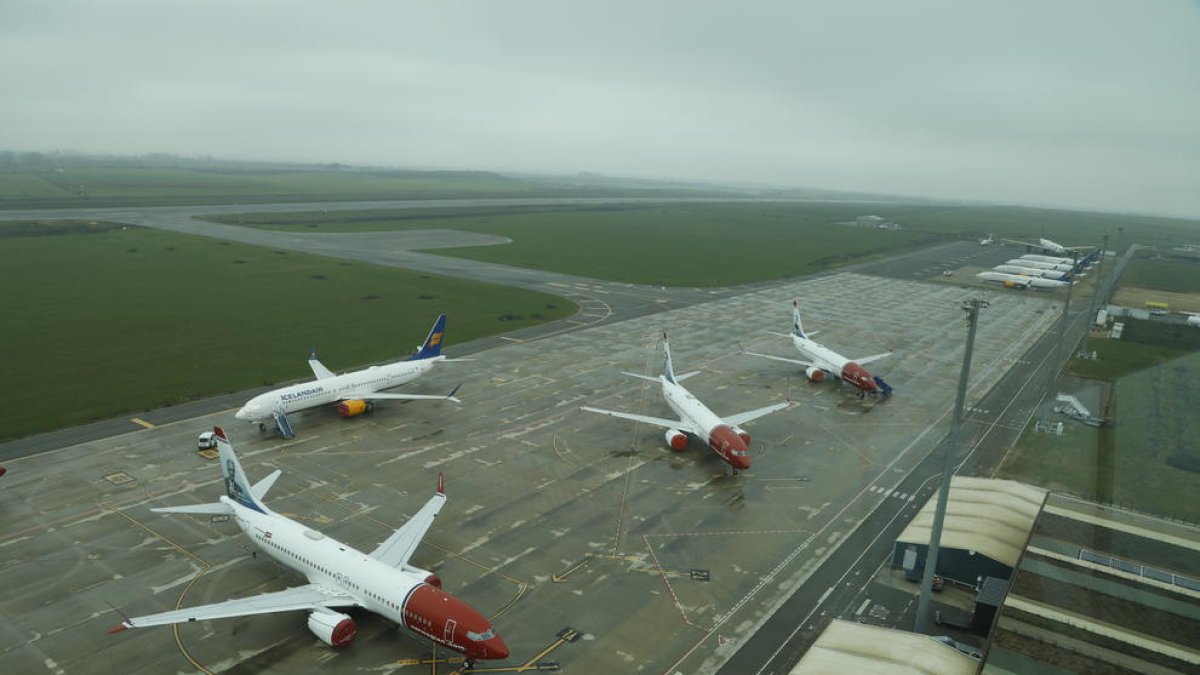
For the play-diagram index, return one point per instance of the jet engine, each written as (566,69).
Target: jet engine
(333,628)
(430,578)
(814,373)
(353,407)
(742,434)
(676,440)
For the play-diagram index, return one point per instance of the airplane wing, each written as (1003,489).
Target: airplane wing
(1022,243)
(657,421)
(378,396)
(319,369)
(307,597)
(742,418)
(867,359)
(780,358)
(398,548)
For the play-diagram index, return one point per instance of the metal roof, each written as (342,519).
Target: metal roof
(848,647)
(993,517)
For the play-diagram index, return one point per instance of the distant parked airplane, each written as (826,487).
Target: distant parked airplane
(354,392)
(1033,271)
(338,575)
(1049,246)
(820,361)
(724,436)
(987,241)
(1021,281)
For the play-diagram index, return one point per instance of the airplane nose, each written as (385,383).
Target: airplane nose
(243,414)
(496,648)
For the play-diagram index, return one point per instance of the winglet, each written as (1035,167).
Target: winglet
(454,391)
(442,484)
(118,628)
(220,433)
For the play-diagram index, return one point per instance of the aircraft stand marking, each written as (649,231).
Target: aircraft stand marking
(182,594)
(143,423)
(534,664)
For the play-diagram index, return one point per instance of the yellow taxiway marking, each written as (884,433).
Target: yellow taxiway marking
(142,422)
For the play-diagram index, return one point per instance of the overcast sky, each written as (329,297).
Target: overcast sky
(1090,103)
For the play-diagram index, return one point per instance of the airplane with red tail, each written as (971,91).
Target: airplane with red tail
(724,435)
(820,361)
(338,575)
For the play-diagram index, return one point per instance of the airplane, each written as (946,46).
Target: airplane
(1049,246)
(354,392)
(821,361)
(1041,264)
(724,435)
(338,575)
(1034,272)
(1046,259)
(987,241)
(1021,281)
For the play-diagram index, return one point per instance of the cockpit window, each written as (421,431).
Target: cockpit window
(481,637)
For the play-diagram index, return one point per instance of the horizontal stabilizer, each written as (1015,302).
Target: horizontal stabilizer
(681,378)
(259,489)
(217,509)
(643,377)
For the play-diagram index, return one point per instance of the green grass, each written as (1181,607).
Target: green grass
(1162,275)
(674,245)
(102,320)
(1118,358)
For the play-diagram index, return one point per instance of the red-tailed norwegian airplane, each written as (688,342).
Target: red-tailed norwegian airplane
(338,575)
(821,361)
(724,436)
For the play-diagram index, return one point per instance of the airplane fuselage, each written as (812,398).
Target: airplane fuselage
(333,389)
(706,424)
(406,596)
(834,363)
(1040,264)
(1030,271)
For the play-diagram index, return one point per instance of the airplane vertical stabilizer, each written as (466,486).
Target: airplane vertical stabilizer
(797,329)
(668,368)
(433,343)
(236,485)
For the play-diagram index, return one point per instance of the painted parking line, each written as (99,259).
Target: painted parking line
(141,422)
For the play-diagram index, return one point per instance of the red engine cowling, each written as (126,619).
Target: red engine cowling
(3,471)
(332,628)
(676,440)
(434,580)
(742,434)
(815,374)
(353,407)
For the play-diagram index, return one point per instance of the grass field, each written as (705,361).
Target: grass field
(1118,358)
(103,320)
(674,245)
(1162,275)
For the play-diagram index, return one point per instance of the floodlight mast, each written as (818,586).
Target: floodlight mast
(972,308)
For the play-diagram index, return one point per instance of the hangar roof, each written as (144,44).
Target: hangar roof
(848,647)
(993,517)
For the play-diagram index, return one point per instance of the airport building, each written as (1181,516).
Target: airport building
(849,647)
(988,523)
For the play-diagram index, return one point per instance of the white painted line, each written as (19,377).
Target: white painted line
(863,607)
(825,594)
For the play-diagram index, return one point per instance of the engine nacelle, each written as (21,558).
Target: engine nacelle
(353,407)
(742,434)
(814,374)
(332,628)
(676,440)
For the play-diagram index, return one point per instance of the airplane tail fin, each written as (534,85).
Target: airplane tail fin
(236,486)
(797,328)
(668,368)
(433,343)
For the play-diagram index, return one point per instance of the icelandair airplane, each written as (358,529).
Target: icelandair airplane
(1022,281)
(724,436)
(354,392)
(338,575)
(821,361)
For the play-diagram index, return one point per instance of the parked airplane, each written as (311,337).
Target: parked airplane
(338,575)
(1021,281)
(820,361)
(1033,272)
(724,436)
(1041,264)
(354,392)
(1046,259)
(988,240)
(1049,246)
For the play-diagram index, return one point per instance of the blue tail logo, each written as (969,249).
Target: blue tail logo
(797,329)
(235,479)
(668,367)
(433,343)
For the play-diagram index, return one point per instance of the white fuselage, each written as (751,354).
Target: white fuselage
(1021,280)
(821,356)
(330,563)
(1046,258)
(1030,271)
(698,418)
(1040,264)
(333,389)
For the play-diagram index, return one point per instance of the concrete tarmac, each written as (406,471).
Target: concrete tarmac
(592,545)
